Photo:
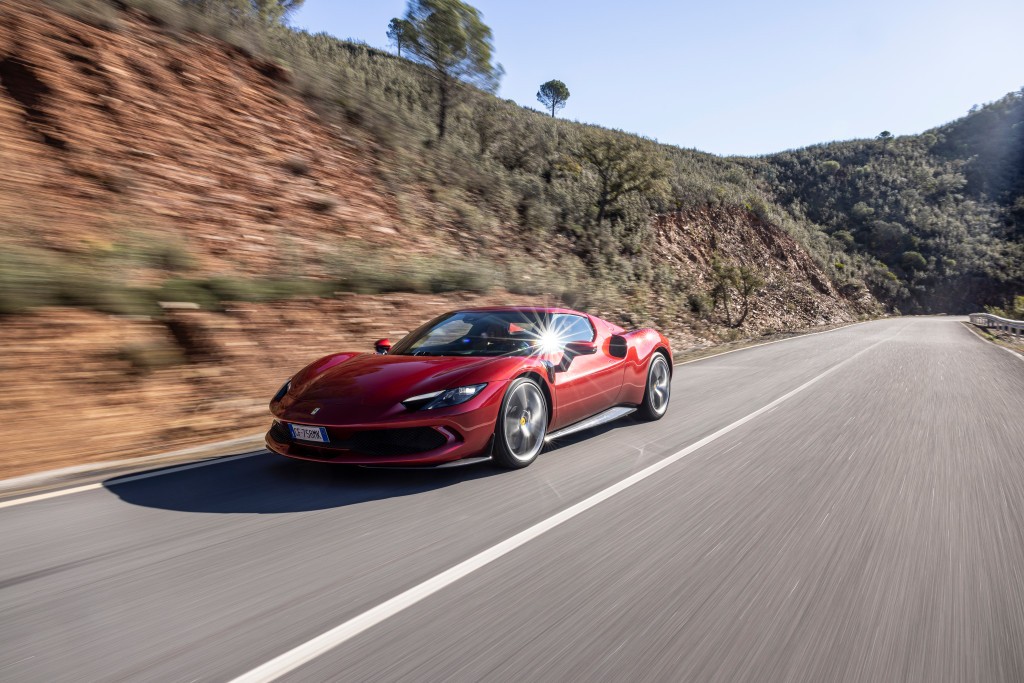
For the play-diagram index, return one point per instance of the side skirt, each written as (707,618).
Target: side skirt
(593,421)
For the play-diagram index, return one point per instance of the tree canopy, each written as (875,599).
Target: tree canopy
(623,166)
(553,95)
(450,37)
(399,33)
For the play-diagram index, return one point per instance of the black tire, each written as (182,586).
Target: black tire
(522,425)
(658,392)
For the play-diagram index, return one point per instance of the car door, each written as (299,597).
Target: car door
(591,383)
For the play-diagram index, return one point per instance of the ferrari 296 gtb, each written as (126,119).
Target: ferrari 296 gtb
(472,385)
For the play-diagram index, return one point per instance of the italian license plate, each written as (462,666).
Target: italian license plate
(306,433)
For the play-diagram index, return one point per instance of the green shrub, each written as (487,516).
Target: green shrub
(700,304)
(830,166)
(844,238)
(913,261)
(28,279)
(146,358)
(460,278)
(234,289)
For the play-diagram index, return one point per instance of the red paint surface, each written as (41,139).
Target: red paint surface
(364,391)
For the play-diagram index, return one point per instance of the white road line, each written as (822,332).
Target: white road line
(122,480)
(311,649)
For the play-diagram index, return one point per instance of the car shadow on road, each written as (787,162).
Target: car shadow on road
(266,483)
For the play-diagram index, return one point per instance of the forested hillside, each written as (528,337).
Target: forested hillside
(942,212)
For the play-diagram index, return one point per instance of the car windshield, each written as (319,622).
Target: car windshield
(494,333)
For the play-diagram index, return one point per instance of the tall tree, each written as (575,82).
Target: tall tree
(726,277)
(622,166)
(399,32)
(553,95)
(450,37)
(885,137)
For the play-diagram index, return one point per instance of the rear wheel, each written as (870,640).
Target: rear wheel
(659,389)
(522,425)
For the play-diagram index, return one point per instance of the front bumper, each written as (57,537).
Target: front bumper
(421,438)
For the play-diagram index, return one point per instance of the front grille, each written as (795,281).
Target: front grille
(280,433)
(386,442)
(376,442)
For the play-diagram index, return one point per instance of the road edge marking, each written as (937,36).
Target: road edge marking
(977,335)
(36,479)
(114,481)
(311,649)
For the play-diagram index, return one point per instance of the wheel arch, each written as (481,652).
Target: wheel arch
(544,389)
(668,358)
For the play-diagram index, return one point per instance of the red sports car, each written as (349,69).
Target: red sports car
(472,385)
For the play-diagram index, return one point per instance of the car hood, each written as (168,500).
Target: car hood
(355,388)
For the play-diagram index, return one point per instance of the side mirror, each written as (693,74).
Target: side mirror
(573,349)
(579,348)
(382,346)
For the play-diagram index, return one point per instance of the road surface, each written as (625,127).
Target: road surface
(847,506)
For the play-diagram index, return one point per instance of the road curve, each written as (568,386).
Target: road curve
(843,506)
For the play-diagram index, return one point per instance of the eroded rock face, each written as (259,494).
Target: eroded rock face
(171,134)
(796,293)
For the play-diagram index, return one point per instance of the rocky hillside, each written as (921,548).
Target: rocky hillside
(188,220)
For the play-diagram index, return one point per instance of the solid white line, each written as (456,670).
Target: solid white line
(122,480)
(311,649)
(38,479)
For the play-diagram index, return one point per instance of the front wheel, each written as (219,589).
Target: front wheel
(659,389)
(522,425)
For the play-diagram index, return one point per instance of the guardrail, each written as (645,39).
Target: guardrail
(1014,327)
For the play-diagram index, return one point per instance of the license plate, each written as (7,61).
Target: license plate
(305,433)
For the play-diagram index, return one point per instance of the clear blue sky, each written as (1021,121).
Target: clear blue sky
(740,76)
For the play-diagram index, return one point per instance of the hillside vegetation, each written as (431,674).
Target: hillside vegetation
(940,215)
(546,206)
(929,223)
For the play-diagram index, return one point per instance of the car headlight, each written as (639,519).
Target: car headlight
(444,398)
(282,391)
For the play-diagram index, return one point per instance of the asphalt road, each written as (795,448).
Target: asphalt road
(847,506)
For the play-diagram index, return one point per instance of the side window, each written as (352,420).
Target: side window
(573,328)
